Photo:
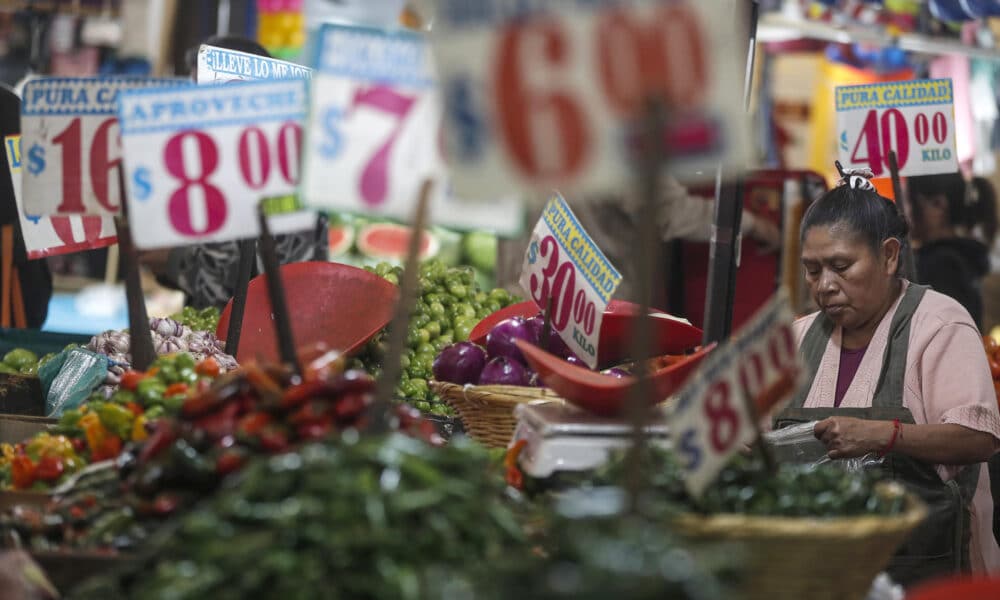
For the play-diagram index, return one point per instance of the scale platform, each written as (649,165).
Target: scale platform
(562,438)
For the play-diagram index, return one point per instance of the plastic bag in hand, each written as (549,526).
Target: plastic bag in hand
(798,444)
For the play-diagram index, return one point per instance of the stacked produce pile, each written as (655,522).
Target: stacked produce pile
(100,428)
(21,361)
(375,517)
(250,412)
(449,307)
(501,362)
(169,337)
(205,319)
(993,355)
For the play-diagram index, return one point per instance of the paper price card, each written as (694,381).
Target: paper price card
(563,263)
(711,419)
(221,65)
(201,158)
(543,94)
(374,128)
(916,119)
(49,236)
(72,148)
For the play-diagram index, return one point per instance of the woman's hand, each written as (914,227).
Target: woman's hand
(847,437)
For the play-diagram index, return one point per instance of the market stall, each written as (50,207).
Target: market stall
(390,416)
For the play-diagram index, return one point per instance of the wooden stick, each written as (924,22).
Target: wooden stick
(20,318)
(392,368)
(6,272)
(248,252)
(141,338)
(908,268)
(276,292)
(111,265)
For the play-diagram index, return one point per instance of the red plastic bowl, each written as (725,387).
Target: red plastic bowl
(670,336)
(331,303)
(602,394)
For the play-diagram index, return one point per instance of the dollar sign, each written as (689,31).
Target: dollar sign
(141,186)
(334,142)
(36,160)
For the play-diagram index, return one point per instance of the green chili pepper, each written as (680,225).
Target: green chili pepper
(116,418)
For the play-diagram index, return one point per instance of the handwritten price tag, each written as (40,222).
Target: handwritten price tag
(200,159)
(50,236)
(916,119)
(711,417)
(72,146)
(374,128)
(564,264)
(538,94)
(221,65)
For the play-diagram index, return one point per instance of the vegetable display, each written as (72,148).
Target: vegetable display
(370,518)
(450,305)
(205,319)
(21,361)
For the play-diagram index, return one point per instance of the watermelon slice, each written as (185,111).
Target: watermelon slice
(341,239)
(388,241)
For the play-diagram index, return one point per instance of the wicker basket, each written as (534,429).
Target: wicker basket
(818,559)
(487,411)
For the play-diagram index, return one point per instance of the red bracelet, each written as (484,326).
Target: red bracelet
(897,428)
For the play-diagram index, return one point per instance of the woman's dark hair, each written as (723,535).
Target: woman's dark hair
(949,185)
(869,216)
(983,208)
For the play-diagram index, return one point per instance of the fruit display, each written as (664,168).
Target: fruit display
(100,428)
(993,356)
(21,361)
(450,305)
(374,517)
(205,319)
(169,336)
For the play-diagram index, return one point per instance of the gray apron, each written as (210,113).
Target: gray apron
(940,545)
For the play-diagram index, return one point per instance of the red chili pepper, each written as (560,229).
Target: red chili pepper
(22,470)
(77,512)
(220,424)
(273,439)
(131,379)
(296,395)
(268,390)
(166,503)
(252,424)
(110,447)
(311,412)
(162,437)
(176,389)
(350,406)
(314,431)
(209,367)
(79,444)
(230,461)
(135,408)
(50,468)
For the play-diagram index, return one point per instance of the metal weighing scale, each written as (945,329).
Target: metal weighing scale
(560,437)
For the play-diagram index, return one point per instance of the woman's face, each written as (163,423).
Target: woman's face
(849,281)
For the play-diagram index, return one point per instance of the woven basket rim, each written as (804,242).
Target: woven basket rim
(753,526)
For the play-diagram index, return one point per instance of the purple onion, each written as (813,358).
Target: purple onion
(616,373)
(460,363)
(504,371)
(500,341)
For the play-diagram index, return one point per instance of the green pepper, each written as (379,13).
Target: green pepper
(20,358)
(116,418)
(173,404)
(184,361)
(70,418)
(187,375)
(5,368)
(150,391)
(154,412)
(123,397)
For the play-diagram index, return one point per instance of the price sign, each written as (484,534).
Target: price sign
(541,94)
(711,417)
(72,146)
(221,65)
(49,236)
(916,119)
(563,263)
(375,127)
(200,159)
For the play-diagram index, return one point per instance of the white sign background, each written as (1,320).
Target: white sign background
(221,65)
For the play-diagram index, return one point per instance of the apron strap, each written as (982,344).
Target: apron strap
(812,349)
(889,391)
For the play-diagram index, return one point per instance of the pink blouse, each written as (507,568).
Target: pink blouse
(947,381)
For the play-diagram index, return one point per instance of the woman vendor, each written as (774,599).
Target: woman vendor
(897,370)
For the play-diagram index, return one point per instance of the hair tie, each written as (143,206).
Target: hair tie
(856,179)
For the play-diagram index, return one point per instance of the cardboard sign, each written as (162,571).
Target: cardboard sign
(374,128)
(221,65)
(201,159)
(49,236)
(563,263)
(544,94)
(712,418)
(914,118)
(72,148)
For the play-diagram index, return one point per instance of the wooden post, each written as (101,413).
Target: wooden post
(141,338)
(908,268)
(276,293)
(248,252)
(392,368)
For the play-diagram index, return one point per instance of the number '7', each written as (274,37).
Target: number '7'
(375,177)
